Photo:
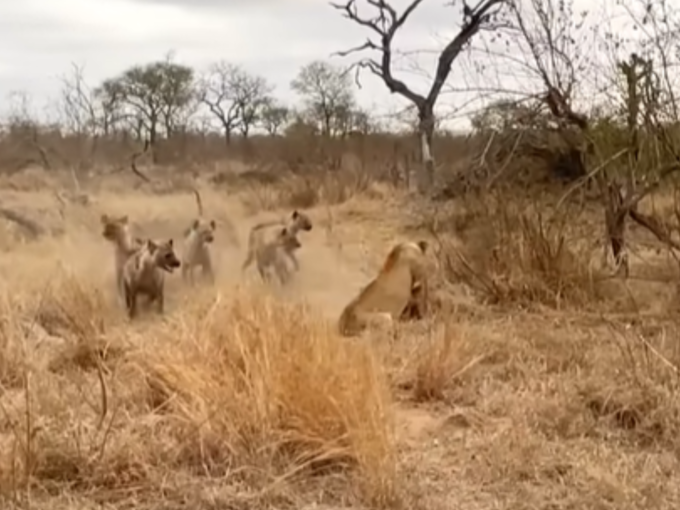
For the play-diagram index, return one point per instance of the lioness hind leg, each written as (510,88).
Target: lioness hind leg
(380,320)
(354,324)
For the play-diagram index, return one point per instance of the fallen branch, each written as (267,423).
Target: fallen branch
(655,227)
(664,173)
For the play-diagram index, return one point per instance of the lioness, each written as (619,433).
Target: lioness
(271,257)
(400,284)
(262,234)
(117,231)
(143,273)
(196,252)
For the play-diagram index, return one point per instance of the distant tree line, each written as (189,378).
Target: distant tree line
(164,98)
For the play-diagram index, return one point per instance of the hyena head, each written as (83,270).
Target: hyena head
(300,221)
(115,229)
(163,255)
(204,230)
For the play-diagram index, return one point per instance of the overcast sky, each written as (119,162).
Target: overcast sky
(39,39)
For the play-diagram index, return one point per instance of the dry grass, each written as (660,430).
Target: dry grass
(538,386)
(218,391)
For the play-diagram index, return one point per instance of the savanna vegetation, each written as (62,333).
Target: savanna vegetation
(545,375)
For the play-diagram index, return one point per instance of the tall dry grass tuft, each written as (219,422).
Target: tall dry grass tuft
(261,373)
(12,352)
(441,359)
(428,360)
(639,398)
(246,392)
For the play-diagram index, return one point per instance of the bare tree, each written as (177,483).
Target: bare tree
(274,117)
(78,103)
(111,102)
(154,95)
(251,95)
(216,93)
(25,129)
(236,98)
(548,31)
(327,94)
(81,114)
(351,120)
(384,23)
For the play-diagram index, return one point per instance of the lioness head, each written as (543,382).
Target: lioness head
(301,221)
(205,230)
(114,228)
(163,255)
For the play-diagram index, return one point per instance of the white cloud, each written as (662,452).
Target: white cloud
(39,39)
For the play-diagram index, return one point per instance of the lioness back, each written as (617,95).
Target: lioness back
(390,292)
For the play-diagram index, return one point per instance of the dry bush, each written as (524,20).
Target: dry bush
(248,392)
(430,366)
(518,251)
(303,192)
(640,398)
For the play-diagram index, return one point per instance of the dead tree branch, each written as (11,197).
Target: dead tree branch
(384,24)
(557,74)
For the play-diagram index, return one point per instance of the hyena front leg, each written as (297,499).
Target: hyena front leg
(160,302)
(131,301)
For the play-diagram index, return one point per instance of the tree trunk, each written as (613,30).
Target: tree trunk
(615,221)
(425,177)
(153,138)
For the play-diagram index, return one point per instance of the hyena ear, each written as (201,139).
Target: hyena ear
(151,246)
(170,243)
(295,214)
(284,232)
(195,224)
(423,245)
(213,225)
